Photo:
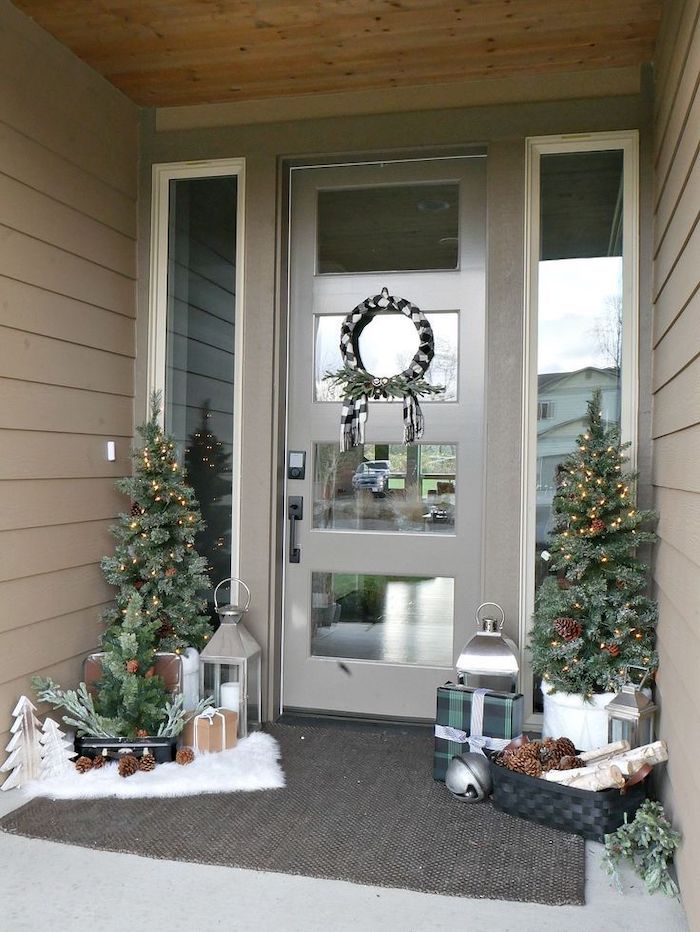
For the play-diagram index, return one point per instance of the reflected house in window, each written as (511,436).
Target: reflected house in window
(561,411)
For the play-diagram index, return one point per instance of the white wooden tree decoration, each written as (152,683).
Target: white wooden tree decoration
(24,761)
(56,750)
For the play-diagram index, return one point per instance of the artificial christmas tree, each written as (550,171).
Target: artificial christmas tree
(593,618)
(56,750)
(209,474)
(128,693)
(24,760)
(155,553)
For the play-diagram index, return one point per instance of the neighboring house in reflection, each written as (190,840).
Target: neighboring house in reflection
(562,400)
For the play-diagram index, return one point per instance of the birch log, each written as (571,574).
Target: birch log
(613,772)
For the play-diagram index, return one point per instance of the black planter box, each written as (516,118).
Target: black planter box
(581,812)
(163,749)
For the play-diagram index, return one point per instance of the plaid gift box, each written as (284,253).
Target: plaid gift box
(503,718)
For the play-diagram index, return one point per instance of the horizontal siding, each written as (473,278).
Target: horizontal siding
(30,552)
(68,169)
(676,419)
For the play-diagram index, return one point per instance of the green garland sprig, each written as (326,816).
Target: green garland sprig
(357,382)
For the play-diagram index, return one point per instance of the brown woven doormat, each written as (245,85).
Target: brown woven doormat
(360,805)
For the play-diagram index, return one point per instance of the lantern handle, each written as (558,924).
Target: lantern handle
(232,579)
(495,605)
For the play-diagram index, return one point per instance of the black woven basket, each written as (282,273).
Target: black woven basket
(582,812)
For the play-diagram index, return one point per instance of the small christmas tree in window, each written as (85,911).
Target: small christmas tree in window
(155,553)
(593,618)
(24,760)
(56,750)
(209,472)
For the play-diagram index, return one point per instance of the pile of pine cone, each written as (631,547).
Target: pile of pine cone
(537,757)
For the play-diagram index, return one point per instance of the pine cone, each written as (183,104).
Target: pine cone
(567,628)
(570,763)
(147,762)
(184,756)
(128,765)
(83,764)
(136,510)
(132,666)
(564,583)
(564,747)
(612,649)
(138,584)
(598,526)
(99,761)
(524,760)
(171,571)
(141,732)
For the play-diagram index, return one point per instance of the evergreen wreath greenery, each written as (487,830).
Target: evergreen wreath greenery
(648,844)
(357,382)
(593,618)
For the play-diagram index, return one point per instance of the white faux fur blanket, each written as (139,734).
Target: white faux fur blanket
(252,765)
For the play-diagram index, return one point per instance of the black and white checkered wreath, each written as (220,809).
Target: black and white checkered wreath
(359,385)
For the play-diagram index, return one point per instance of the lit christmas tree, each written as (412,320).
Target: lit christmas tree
(594,619)
(155,553)
(209,473)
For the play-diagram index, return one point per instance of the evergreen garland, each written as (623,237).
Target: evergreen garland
(593,618)
(155,554)
(357,382)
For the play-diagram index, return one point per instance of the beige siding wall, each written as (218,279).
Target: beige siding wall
(676,421)
(68,162)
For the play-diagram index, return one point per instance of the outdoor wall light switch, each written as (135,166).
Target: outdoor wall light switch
(111,451)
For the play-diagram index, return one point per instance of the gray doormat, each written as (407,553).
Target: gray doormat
(360,805)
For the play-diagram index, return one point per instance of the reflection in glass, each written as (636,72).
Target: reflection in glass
(393,619)
(388,228)
(579,311)
(385,487)
(200,349)
(390,346)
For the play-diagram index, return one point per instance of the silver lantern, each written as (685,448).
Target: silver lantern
(468,777)
(488,659)
(631,715)
(230,668)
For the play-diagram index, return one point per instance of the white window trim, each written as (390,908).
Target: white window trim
(162,174)
(536,146)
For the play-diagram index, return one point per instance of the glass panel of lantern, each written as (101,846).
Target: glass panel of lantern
(631,717)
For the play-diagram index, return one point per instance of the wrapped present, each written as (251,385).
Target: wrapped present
(473,720)
(212,730)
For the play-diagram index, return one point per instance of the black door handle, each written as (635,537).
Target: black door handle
(295,512)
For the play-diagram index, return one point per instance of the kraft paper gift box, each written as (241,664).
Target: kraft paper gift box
(500,717)
(213,730)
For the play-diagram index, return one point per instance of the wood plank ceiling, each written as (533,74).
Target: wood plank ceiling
(177,52)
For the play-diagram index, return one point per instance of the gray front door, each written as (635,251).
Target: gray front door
(381,599)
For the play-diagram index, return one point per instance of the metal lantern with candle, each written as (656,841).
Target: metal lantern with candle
(230,668)
(631,714)
(488,659)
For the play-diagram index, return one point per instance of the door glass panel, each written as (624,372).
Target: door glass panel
(199,373)
(393,619)
(390,347)
(388,228)
(386,487)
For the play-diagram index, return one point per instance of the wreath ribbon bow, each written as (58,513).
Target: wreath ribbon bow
(359,384)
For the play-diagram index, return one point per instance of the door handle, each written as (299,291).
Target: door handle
(295,512)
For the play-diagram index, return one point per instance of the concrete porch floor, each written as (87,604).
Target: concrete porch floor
(44,885)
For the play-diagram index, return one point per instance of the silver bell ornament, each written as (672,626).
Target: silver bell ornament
(468,778)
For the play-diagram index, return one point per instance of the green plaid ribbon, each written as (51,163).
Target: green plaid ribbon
(503,718)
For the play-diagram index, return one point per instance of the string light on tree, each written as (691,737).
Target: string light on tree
(603,597)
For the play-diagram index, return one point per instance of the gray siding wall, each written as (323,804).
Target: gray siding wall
(676,419)
(68,163)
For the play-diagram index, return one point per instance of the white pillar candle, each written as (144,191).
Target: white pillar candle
(231,696)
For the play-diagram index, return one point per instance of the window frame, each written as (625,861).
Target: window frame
(535,147)
(161,175)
